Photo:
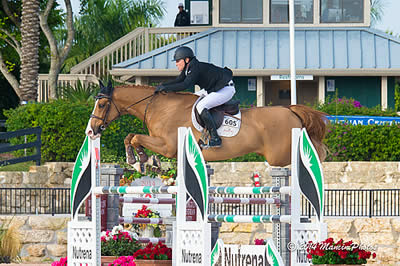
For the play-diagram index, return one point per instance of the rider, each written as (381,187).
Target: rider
(215,80)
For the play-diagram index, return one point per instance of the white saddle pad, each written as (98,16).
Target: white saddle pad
(229,127)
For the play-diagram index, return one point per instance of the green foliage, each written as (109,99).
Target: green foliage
(101,22)
(81,93)
(251,157)
(363,143)
(118,242)
(397,97)
(63,126)
(344,106)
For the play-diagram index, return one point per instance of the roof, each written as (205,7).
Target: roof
(266,50)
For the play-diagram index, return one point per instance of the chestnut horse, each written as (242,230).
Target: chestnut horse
(264,130)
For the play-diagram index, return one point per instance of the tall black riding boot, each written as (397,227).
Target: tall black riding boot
(215,140)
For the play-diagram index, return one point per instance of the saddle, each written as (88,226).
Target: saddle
(231,107)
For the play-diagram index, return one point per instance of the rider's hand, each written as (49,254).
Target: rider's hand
(160,88)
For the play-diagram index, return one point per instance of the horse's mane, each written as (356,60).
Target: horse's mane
(124,86)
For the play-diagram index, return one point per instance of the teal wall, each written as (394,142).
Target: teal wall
(366,90)
(391,84)
(245,96)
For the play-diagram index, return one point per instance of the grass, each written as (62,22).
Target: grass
(18,167)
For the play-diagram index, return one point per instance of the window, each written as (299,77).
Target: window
(280,11)
(337,11)
(240,11)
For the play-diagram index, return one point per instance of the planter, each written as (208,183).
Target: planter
(105,260)
(153,262)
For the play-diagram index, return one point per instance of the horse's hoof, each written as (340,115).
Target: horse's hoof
(130,156)
(155,161)
(142,155)
(130,160)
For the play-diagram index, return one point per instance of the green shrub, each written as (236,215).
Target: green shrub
(363,143)
(344,106)
(63,126)
(397,97)
(81,92)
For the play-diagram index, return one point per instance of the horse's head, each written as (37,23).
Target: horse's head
(105,111)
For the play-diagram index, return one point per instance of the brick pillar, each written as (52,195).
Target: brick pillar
(110,175)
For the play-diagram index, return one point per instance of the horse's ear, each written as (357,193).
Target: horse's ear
(110,88)
(103,89)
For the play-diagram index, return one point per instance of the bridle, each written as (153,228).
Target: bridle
(110,101)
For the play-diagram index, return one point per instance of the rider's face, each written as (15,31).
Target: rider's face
(180,64)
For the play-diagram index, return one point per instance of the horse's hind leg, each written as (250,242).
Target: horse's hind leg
(130,155)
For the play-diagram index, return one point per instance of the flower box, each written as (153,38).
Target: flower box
(140,262)
(105,260)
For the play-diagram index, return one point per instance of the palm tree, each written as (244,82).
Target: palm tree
(376,11)
(10,30)
(30,39)
(105,21)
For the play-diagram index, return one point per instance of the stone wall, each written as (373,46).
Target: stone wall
(337,175)
(44,237)
(49,175)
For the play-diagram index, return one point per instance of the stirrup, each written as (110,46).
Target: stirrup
(207,146)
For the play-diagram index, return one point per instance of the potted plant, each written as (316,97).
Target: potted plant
(147,230)
(158,254)
(328,252)
(151,255)
(117,242)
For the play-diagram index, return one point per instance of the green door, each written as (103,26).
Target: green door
(366,90)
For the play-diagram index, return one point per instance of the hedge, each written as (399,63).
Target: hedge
(363,143)
(63,126)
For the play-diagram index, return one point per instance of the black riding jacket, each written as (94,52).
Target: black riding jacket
(207,76)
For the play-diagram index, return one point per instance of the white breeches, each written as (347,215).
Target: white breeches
(216,98)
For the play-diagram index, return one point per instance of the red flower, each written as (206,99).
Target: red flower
(157,252)
(329,252)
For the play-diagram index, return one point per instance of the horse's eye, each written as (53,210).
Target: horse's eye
(101,105)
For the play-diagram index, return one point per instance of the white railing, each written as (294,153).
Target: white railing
(63,80)
(135,43)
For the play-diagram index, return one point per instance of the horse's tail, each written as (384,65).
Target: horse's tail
(315,123)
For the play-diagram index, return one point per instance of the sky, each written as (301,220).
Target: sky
(390,20)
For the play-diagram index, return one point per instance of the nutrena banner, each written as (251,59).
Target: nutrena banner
(311,179)
(81,178)
(196,180)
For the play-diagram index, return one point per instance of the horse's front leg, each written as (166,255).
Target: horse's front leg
(130,155)
(155,144)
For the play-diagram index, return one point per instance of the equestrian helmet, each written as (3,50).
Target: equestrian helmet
(182,53)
